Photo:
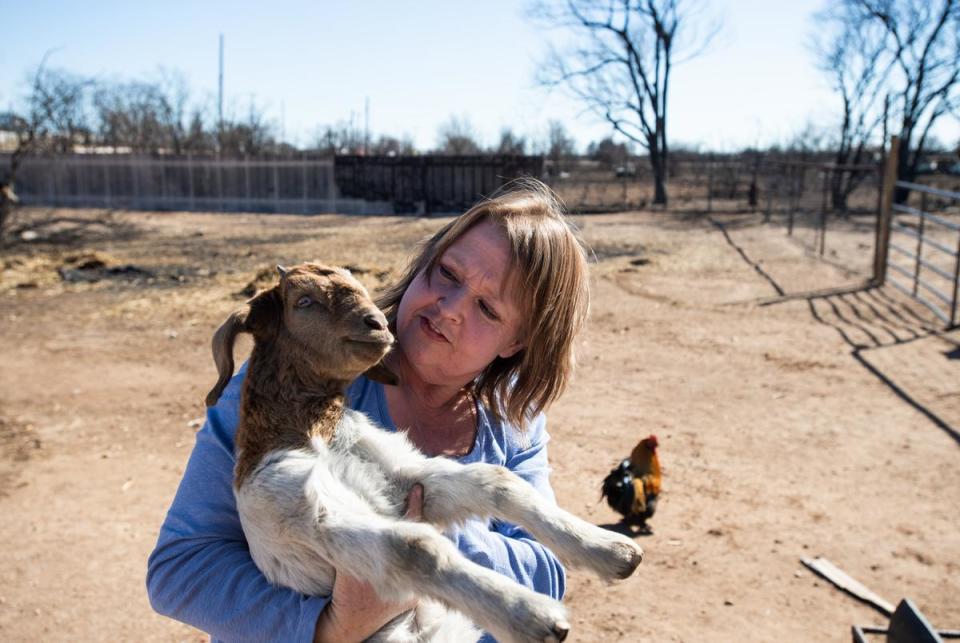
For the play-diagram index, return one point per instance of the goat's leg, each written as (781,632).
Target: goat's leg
(485,489)
(301,519)
(455,492)
(402,558)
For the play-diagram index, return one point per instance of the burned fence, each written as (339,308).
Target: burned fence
(303,185)
(179,183)
(430,184)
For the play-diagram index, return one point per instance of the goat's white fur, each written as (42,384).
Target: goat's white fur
(306,513)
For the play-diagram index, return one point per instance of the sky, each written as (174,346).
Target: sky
(308,64)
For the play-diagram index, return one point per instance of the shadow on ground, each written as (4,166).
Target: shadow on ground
(877,325)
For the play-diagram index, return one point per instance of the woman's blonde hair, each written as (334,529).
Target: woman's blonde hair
(552,289)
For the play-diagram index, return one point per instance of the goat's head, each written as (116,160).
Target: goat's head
(317,313)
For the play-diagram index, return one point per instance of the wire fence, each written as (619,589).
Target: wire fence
(830,211)
(302,185)
(694,185)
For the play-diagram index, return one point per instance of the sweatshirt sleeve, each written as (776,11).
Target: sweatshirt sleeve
(201,571)
(506,548)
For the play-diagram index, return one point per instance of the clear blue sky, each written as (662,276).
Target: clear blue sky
(311,63)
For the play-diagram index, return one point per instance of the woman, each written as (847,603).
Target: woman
(485,318)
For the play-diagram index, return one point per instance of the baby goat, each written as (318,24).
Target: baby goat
(319,487)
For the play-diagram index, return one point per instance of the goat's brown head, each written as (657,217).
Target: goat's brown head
(319,314)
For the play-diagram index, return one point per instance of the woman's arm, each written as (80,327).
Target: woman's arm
(506,548)
(201,572)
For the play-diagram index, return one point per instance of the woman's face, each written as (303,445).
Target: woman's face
(450,328)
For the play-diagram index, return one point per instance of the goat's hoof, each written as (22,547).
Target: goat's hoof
(630,555)
(540,620)
(617,558)
(555,633)
(560,631)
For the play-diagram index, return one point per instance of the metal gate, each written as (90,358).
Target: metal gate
(927,253)
(925,258)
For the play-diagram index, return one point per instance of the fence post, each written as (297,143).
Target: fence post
(276,187)
(135,175)
(956,278)
(771,186)
(303,178)
(885,215)
(192,202)
(331,177)
(792,200)
(82,186)
(162,167)
(106,182)
(710,185)
(219,163)
(825,173)
(248,206)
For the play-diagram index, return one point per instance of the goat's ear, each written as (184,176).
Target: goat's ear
(264,314)
(380,373)
(260,316)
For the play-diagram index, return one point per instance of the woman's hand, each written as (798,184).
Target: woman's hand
(355,612)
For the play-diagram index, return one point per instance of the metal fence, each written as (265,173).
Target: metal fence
(301,185)
(346,184)
(710,185)
(925,262)
(830,211)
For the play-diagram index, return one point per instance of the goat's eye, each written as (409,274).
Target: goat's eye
(304,301)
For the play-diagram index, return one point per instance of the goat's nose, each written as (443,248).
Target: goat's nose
(375,321)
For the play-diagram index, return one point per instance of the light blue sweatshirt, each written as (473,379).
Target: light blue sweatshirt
(201,572)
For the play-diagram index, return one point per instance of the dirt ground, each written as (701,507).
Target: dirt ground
(793,422)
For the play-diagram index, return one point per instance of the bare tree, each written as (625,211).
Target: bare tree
(335,139)
(511,143)
(55,118)
(856,58)
(26,131)
(609,152)
(620,67)
(198,139)
(148,117)
(560,146)
(173,94)
(457,136)
(59,102)
(251,136)
(392,146)
(922,37)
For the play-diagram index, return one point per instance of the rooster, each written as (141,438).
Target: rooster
(632,488)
